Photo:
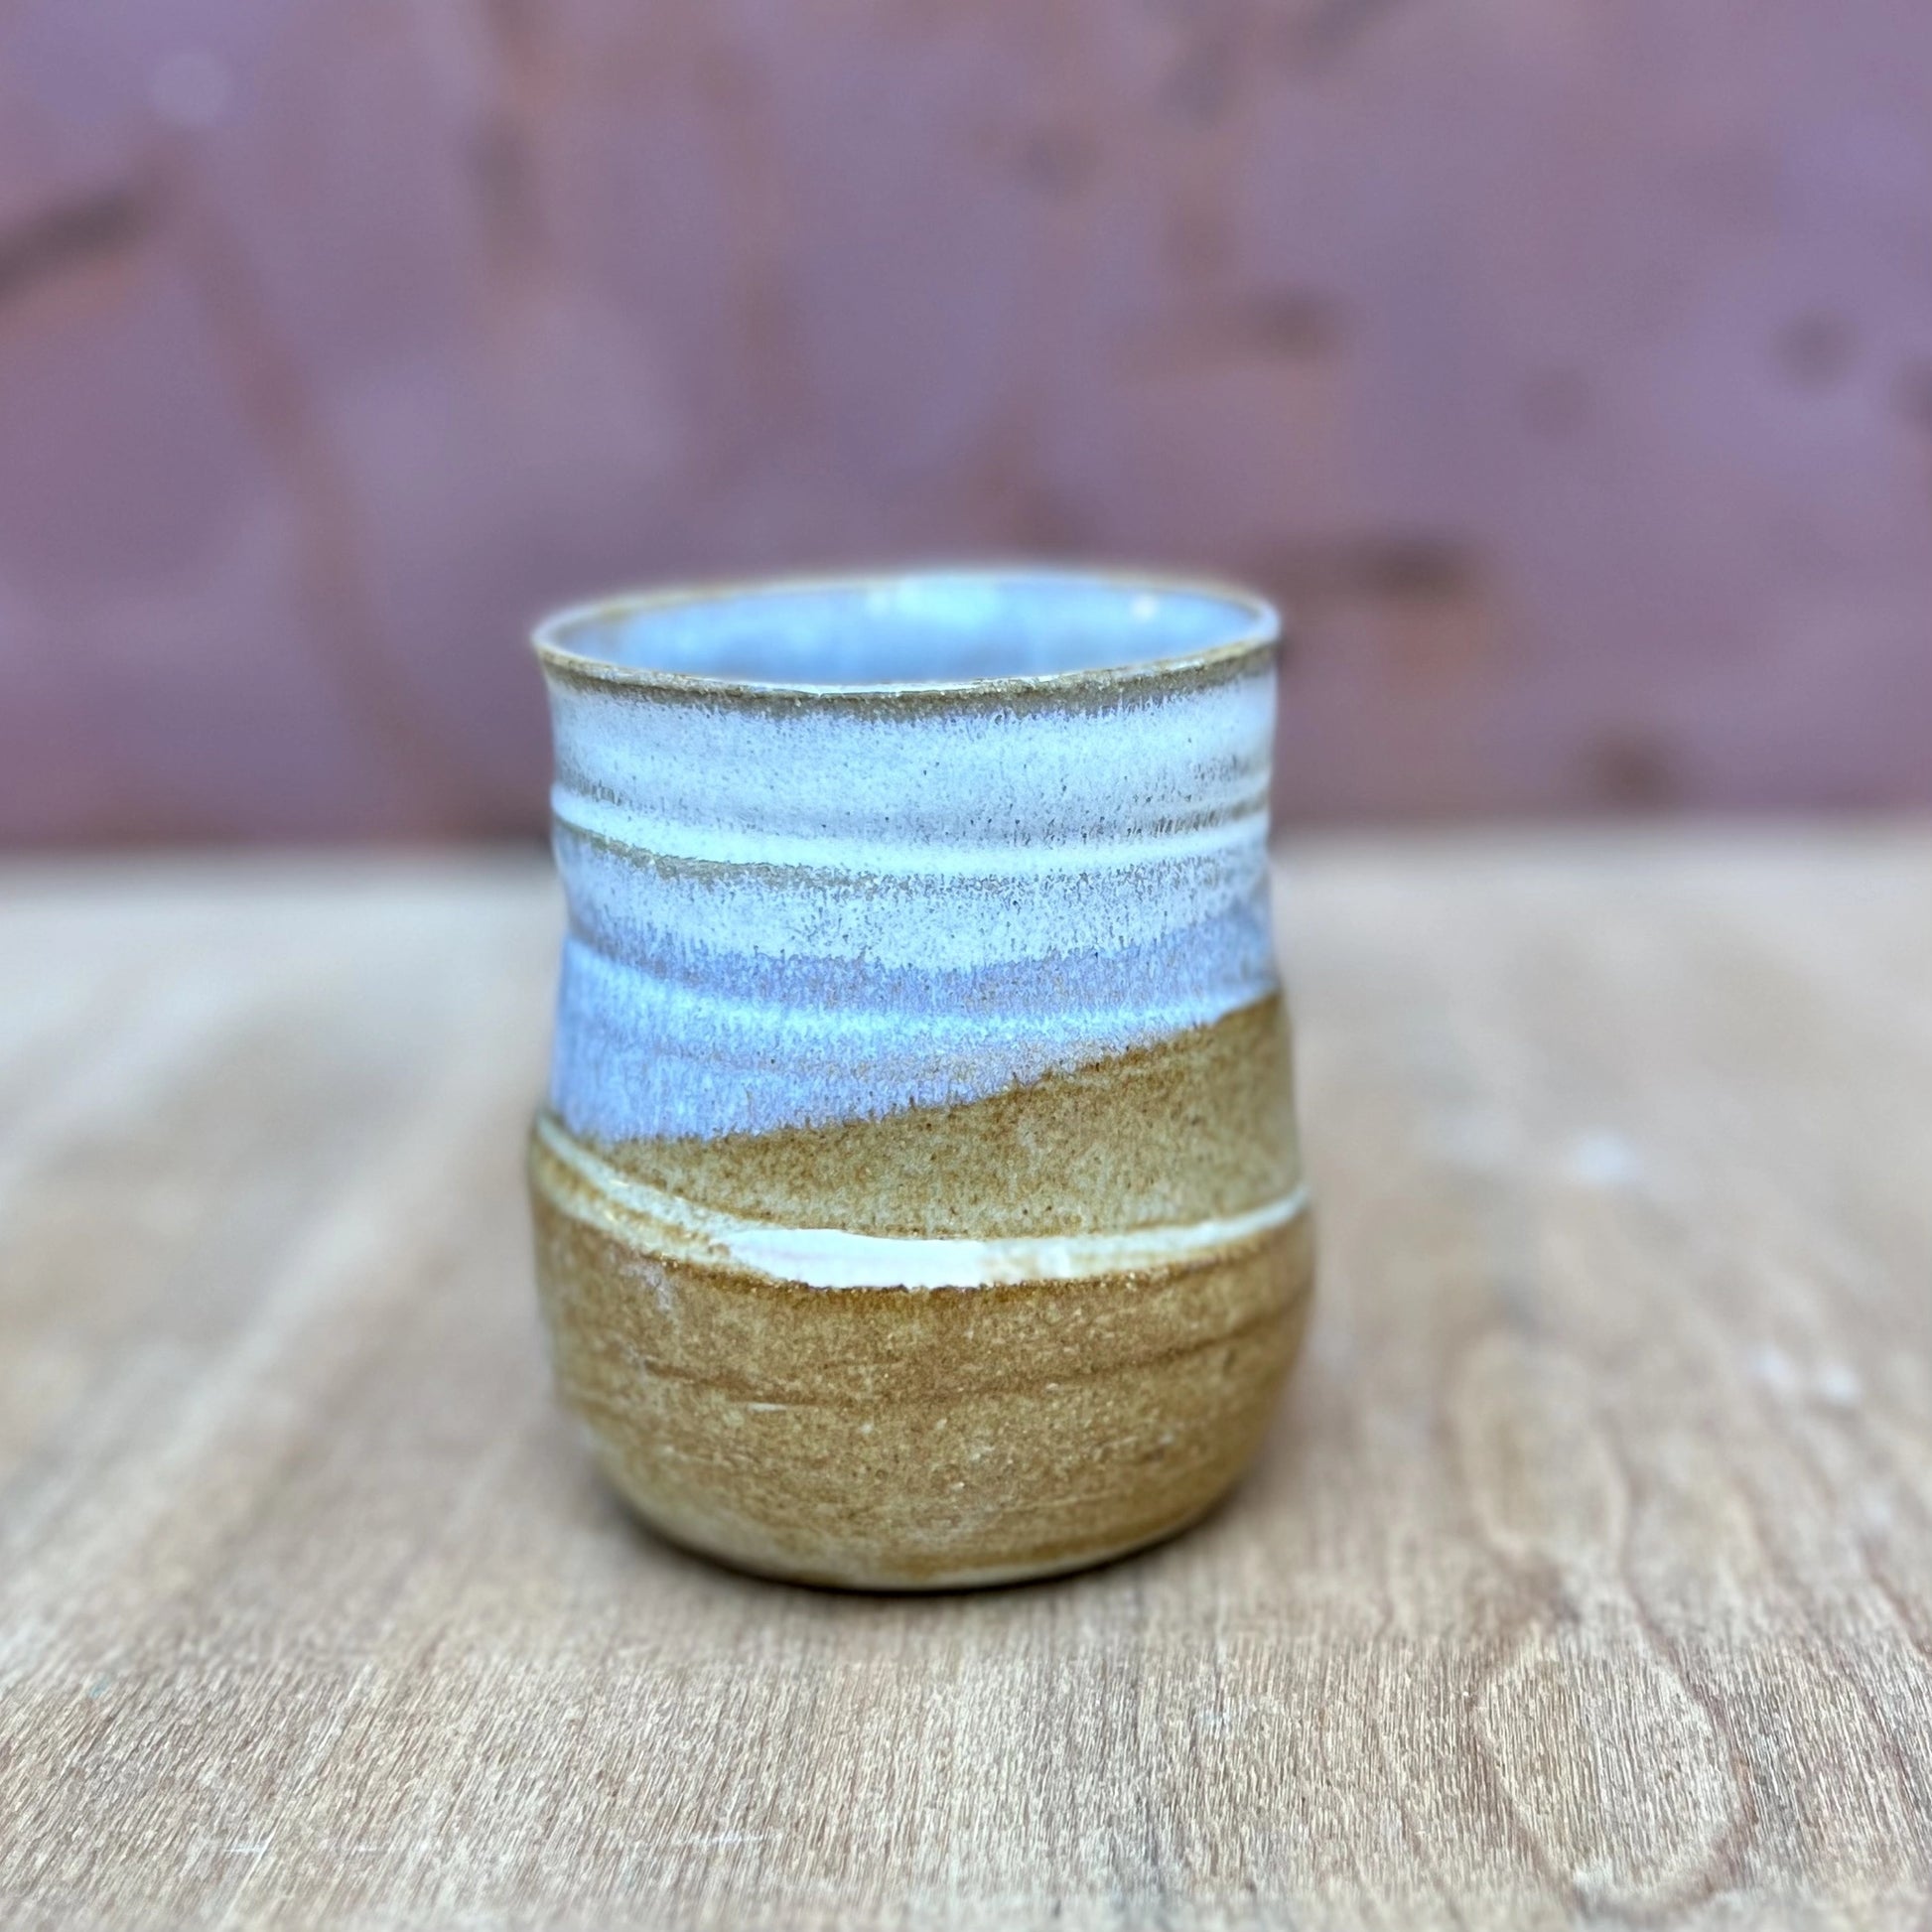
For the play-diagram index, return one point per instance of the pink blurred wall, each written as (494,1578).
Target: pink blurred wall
(1567,367)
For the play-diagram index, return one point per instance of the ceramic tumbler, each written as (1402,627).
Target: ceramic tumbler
(919,1201)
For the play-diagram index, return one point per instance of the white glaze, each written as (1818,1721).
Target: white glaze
(790,908)
(669,1226)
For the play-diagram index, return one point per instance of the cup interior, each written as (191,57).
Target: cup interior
(921,628)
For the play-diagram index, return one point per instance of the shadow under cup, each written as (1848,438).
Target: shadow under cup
(919,1201)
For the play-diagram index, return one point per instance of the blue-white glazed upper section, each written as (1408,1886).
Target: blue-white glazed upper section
(789,909)
(1028,788)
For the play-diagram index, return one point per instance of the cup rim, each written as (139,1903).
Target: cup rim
(1258,636)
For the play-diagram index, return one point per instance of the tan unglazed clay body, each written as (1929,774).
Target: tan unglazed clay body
(919,1201)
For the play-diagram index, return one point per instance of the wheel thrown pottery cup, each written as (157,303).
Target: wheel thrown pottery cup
(919,1201)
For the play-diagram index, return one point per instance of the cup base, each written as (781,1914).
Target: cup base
(885,1583)
(897,1439)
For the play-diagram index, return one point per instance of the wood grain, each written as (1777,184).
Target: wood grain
(1588,1578)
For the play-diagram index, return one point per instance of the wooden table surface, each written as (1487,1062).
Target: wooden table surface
(1587,1578)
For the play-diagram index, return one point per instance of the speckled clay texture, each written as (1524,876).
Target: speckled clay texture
(919,1200)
